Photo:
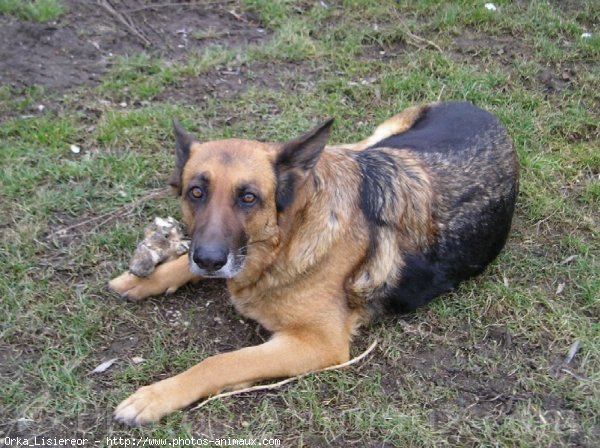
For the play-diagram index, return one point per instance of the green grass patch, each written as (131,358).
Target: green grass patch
(33,10)
(142,77)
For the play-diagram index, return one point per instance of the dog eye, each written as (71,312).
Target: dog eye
(248,198)
(196,193)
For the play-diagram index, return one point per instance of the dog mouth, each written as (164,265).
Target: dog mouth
(233,266)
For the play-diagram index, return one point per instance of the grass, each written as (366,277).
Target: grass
(33,10)
(480,367)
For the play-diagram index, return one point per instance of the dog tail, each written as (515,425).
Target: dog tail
(393,126)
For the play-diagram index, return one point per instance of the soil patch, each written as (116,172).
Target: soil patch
(80,46)
(505,48)
(552,79)
(227,82)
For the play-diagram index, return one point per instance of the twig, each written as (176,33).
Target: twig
(573,374)
(236,16)
(286,381)
(168,5)
(110,215)
(125,20)
(421,39)
(416,330)
(543,221)
(441,91)
(158,34)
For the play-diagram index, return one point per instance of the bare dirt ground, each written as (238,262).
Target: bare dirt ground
(79,47)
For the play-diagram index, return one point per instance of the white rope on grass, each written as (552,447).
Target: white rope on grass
(286,381)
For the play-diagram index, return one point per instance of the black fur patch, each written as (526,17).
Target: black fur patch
(447,127)
(478,187)
(466,254)
(298,156)
(284,194)
(304,152)
(378,172)
(423,279)
(183,143)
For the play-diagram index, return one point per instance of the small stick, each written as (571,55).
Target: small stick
(237,16)
(417,331)
(441,91)
(169,5)
(126,21)
(573,374)
(112,214)
(286,381)
(421,39)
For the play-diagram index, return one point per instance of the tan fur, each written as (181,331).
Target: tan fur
(166,278)
(310,269)
(288,284)
(294,282)
(392,126)
(414,228)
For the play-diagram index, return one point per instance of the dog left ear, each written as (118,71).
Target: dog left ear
(303,152)
(183,143)
(295,159)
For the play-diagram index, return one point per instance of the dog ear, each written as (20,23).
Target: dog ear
(183,143)
(295,159)
(303,152)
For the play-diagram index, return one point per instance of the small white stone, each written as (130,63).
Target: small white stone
(490,7)
(75,149)
(586,35)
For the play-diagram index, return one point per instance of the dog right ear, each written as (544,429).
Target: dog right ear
(183,143)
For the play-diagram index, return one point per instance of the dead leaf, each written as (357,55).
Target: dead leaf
(137,360)
(105,365)
(568,259)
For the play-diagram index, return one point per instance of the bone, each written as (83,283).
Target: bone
(164,240)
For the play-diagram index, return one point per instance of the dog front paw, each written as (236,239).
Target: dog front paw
(136,288)
(147,405)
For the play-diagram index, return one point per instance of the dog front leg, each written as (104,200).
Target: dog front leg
(286,354)
(166,278)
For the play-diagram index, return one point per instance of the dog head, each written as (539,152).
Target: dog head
(234,194)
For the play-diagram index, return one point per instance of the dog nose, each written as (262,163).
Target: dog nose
(210,257)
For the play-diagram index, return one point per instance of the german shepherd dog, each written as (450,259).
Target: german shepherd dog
(316,240)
